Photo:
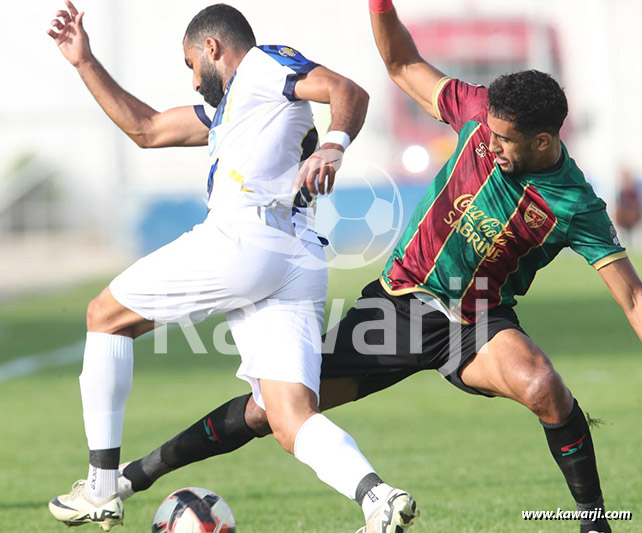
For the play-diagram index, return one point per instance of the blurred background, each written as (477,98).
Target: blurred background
(79,199)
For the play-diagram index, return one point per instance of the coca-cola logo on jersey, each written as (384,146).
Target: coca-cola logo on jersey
(485,234)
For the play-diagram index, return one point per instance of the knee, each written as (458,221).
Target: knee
(288,406)
(547,396)
(285,429)
(96,316)
(106,315)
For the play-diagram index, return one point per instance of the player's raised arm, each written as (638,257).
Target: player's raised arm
(147,127)
(626,288)
(405,66)
(348,106)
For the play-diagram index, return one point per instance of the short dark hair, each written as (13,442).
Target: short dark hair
(531,99)
(222,22)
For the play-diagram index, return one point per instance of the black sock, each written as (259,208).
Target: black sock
(365,487)
(106,459)
(572,448)
(596,508)
(221,431)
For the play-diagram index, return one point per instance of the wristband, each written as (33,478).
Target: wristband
(380,6)
(337,137)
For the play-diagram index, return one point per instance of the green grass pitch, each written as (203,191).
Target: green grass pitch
(472,463)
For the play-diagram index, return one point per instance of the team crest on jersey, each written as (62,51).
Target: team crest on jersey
(534,216)
(211,142)
(286,51)
(482,150)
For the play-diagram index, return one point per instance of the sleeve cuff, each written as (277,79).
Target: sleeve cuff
(292,79)
(202,116)
(601,263)
(435,96)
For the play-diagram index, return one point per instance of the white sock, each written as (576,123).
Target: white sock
(105,383)
(332,454)
(373,498)
(101,483)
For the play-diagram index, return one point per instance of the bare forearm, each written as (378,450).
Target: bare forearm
(625,286)
(395,44)
(130,114)
(634,314)
(348,106)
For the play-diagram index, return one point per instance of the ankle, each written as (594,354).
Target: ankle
(373,496)
(101,483)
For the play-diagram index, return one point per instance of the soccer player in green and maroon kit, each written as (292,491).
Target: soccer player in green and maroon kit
(506,203)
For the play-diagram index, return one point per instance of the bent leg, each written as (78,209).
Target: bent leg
(220,431)
(229,427)
(105,314)
(105,383)
(314,440)
(513,366)
(190,278)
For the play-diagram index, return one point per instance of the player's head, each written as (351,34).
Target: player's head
(525,113)
(215,35)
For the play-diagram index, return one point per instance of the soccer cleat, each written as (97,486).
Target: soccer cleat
(125,489)
(393,515)
(76,509)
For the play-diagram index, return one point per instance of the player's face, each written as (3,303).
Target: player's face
(514,152)
(205,79)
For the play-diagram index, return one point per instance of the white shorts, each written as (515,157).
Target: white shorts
(271,285)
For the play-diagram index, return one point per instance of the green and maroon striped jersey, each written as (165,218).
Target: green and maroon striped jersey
(477,237)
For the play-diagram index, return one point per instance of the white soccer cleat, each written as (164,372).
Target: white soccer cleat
(393,515)
(125,490)
(76,508)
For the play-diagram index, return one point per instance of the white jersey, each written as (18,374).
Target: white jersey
(244,260)
(258,132)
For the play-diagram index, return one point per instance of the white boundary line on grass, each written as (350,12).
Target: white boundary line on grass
(29,364)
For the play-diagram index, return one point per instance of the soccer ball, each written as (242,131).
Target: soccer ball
(362,218)
(193,510)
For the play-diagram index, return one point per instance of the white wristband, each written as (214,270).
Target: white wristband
(337,137)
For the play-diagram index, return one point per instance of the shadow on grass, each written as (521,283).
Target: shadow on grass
(22,505)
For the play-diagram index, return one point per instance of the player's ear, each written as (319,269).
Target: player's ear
(543,141)
(213,48)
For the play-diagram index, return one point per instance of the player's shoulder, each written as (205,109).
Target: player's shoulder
(459,102)
(288,57)
(574,176)
(578,190)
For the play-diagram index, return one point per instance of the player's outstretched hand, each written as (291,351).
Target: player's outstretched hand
(319,170)
(71,37)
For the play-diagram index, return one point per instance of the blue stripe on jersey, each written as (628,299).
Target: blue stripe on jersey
(289,57)
(202,116)
(218,118)
(210,178)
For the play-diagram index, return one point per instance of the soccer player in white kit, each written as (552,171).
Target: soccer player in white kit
(253,258)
